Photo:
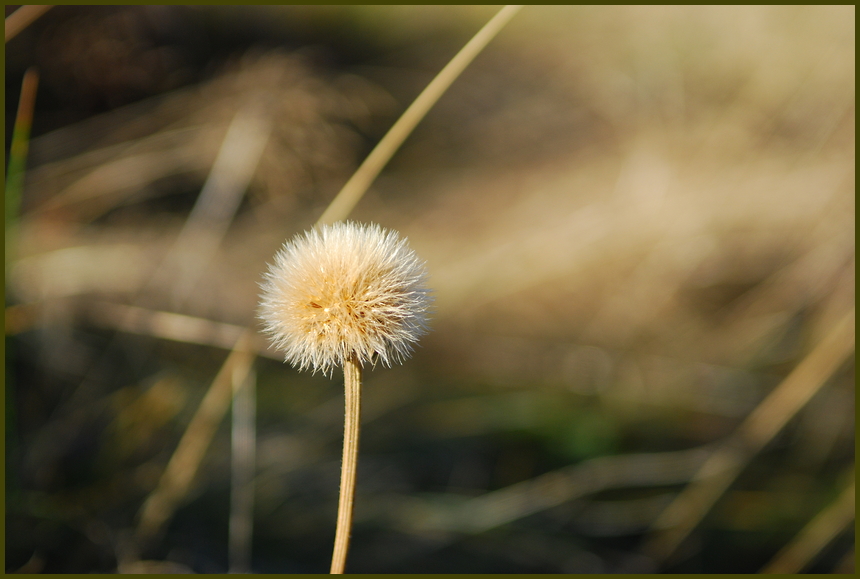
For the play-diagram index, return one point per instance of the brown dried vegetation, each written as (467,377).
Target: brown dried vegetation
(639,228)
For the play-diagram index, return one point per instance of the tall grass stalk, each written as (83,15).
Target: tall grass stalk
(357,185)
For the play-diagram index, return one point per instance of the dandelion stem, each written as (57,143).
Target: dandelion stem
(352,412)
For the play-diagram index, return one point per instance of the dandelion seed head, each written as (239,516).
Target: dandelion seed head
(345,289)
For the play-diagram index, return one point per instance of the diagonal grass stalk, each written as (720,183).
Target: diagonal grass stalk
(355,188)
(22,18)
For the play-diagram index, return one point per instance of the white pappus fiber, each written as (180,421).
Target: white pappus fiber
(345,289)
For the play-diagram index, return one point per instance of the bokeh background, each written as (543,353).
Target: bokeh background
(638,221)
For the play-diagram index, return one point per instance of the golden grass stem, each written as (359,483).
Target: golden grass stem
(349,465)
(185,461)
(22,18)
(357,185)
(218,201)
(796,556)
(679,519)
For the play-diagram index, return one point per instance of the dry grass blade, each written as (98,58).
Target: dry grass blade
(104,178)
(165,325)
(212,213)
(186,459)
(18,155)
(220,197)
(214,209)
(795,556)
(357,185)
(723,467)
(553,489)
(22,18)
(243,459)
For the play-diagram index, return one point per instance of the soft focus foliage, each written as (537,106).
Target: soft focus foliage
(638,222)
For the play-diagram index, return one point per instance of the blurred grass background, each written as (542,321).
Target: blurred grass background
(639,221)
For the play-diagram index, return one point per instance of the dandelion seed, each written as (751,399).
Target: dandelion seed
(341,290)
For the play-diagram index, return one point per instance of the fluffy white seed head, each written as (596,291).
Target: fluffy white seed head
(345,289)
